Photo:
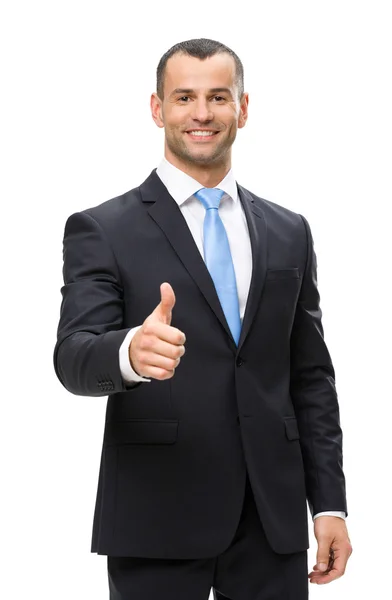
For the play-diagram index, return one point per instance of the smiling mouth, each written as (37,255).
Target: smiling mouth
(201,135)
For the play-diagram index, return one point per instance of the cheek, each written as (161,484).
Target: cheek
(231,119)
(175,121)
(233,127)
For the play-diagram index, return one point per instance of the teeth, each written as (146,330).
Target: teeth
(201,133)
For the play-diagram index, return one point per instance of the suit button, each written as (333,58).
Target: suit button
(240,362)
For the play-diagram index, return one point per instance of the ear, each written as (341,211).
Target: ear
(156,110)
(243,116)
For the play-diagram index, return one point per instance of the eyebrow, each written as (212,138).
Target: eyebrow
(190,91)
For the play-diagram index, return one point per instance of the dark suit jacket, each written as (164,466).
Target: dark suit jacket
(175,452)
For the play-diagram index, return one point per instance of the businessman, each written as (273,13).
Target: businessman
(192,304)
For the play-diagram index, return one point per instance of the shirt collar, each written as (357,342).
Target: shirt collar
(182,186)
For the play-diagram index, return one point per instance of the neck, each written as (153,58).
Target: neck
(207,175)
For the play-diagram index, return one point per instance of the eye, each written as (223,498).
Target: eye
(218,98)
(184,98)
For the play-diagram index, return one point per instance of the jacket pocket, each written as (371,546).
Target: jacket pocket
(291,426)
(141,431)
(283,273)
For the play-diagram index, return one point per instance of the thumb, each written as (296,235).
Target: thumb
(323,555)
(168,300)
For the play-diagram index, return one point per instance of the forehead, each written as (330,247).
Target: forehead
(184,71)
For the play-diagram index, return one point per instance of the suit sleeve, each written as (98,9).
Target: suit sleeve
(313,392)
(90,330)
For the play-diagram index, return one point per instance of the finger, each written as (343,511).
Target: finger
(323,553)
(156,345)
(150,359)
(337,570)
(320,578)
(158,373)
(330,563)
(165,332)
(167,303)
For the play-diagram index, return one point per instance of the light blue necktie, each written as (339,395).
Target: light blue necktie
(218,259)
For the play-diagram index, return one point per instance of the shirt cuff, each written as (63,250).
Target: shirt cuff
(331,513)
(127,373)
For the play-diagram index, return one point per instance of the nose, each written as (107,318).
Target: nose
(201,110)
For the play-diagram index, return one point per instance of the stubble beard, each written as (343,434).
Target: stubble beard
(179,148)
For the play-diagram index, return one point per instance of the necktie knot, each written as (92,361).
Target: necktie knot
(209,197)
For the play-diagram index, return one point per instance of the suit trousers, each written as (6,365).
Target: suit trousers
(247,570)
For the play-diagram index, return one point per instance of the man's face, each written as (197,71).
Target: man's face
(200,97)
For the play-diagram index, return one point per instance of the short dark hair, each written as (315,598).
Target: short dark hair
(199,48)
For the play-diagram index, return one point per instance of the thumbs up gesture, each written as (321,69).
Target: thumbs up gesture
(157,347)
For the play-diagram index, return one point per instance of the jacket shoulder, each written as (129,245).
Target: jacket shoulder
(115,208)
(276,213)
(108,215)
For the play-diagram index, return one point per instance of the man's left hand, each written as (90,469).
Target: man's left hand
(334,549)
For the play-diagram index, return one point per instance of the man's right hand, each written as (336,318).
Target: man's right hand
(156,348)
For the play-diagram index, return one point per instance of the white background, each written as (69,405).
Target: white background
(76,130)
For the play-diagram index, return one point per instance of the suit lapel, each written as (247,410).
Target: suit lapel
(258,239)
(166,213)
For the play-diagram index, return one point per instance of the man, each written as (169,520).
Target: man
(193,304)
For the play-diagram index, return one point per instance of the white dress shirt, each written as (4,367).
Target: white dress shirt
(182,188)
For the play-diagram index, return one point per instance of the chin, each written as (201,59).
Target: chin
(202,158)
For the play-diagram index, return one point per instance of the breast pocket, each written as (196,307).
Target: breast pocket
(280,295)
